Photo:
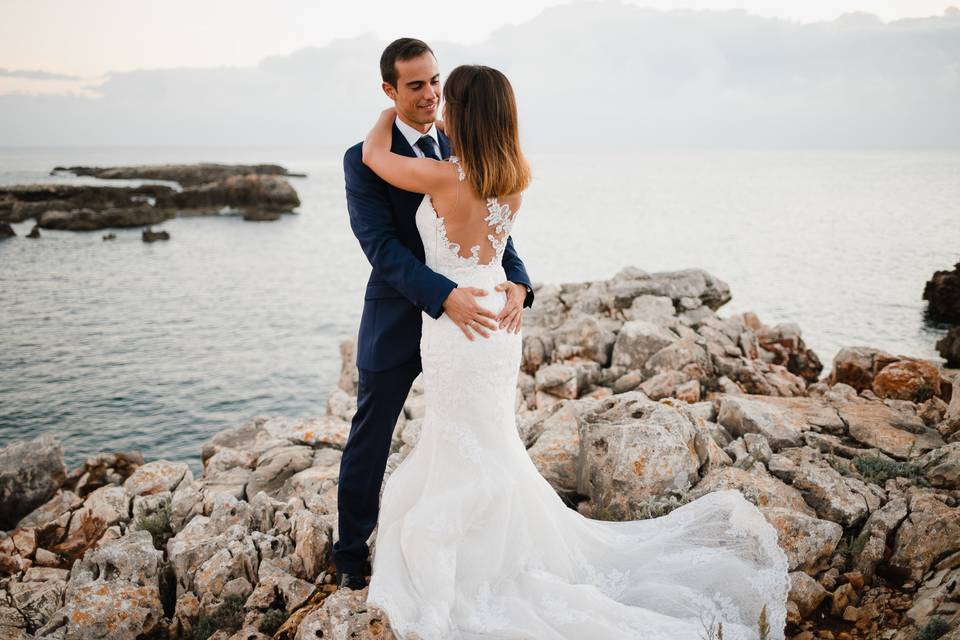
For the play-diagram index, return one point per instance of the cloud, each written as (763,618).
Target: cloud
(596,77)
(31,74)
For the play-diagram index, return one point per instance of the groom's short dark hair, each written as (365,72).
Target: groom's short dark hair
(400,49)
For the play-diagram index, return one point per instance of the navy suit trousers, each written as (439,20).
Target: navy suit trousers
(380,398)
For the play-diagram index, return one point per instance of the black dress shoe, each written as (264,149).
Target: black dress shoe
(351,581)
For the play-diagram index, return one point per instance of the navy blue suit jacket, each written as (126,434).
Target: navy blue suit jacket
(401,285)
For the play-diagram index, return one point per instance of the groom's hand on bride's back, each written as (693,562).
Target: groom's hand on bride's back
(461,307)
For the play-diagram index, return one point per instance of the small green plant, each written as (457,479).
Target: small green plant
(935,628)
(844,466)
(158,525)
(656,506)
(859,542)
(272,620)
(878,470)
(228,616)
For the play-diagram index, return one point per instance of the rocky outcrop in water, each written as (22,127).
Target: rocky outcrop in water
(258,192)
(862,486)
(149,235)
(949,347)
(188,175)
(942,292)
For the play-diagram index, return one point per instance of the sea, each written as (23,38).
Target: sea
(126,345)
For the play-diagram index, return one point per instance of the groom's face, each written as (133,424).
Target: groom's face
(417,94)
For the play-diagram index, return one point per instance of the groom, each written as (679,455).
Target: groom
(400,288)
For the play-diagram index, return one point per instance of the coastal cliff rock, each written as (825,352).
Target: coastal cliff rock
(30,472)
(863,490)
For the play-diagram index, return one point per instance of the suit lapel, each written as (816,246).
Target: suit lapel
(400,145)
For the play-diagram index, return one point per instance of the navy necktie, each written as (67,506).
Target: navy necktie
(425,143)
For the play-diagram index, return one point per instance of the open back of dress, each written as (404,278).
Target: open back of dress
(475,233)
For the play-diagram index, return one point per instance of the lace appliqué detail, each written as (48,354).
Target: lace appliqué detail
(456,162)
(500,218)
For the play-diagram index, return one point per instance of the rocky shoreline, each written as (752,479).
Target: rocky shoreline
(257,192)
(634,397)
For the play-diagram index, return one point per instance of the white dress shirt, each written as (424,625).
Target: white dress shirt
(412,136)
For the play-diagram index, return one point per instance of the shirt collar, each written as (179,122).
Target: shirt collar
(412,135)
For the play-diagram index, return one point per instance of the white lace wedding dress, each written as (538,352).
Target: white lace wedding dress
(473,543)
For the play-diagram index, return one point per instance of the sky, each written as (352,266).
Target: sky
(91,38)
(615,75)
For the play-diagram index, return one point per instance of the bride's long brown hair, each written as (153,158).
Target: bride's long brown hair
(481,121)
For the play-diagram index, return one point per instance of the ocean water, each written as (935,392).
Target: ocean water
(125,345)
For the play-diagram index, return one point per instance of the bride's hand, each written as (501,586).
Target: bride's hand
(388,114)
(511,316)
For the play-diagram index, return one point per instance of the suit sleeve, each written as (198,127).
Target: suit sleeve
(372,223)
(516,272)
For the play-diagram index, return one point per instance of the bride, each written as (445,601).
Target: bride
(472,542)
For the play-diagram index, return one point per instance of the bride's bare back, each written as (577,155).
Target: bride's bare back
(474,228)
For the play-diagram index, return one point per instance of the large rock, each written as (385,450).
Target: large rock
(683,355)
(92,220)
(637,341)
(833,496)
(325,431)
(37,597)
(930,531)
(249,193)
(742,414)
(63,501)
(872,545)
(687,288)
(942,292)
(113,593)
(857,366)
(806,593)
(808,542)
(343,614)
(30,473)
(627,459)
(275,466)
(942,466)
(321,476)
(908,379)
(587,337)
(949,347)
(896,433)
(757,486)
(556,451)
(156,477)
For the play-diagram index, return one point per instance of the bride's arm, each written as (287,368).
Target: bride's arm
(420,175)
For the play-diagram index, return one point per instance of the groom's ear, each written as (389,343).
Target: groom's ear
(390,90)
